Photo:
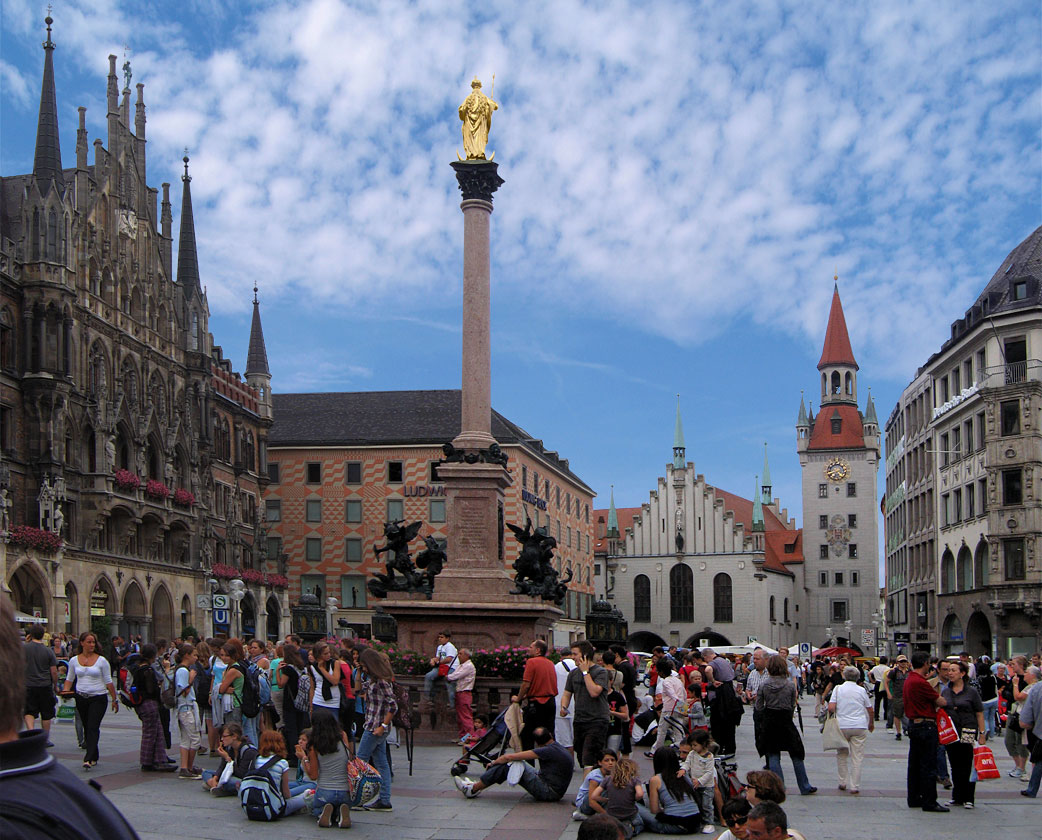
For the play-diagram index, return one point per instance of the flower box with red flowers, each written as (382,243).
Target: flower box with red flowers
(184,498)
(126,480)
(224,571)
(157,490)
(277,581)
(26,536)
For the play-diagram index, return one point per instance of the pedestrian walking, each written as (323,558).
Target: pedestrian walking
(854,714)
(1031,723)
(41,682)
(188,719)
(588,684)
(464,677)
(875,679)
(966,710)
(90,674)
(725,707)
(776,700)
(538,693)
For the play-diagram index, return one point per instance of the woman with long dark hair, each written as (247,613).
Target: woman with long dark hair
(673,806)
(325,681)
(380,707)
(966,710)
(89,671)
(325,762)
(153,745)
(288,675)
(775,701)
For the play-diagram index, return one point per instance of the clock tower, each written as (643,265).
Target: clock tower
(839,458)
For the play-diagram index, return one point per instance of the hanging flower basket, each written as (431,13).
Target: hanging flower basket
(126,480)
(184,498)
(46,542)
(156,490)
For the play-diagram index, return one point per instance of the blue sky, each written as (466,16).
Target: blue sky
(682,182)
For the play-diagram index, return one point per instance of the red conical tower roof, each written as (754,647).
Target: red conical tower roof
(837,343)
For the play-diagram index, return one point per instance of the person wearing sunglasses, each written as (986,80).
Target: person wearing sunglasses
(734,814)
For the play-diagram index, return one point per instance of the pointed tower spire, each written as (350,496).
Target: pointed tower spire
(870,410)
(613,517)
(837,350)
(187,258)
(766,485)
(47,163)
(801,418)
(757,509)
(679,456)
(257,356)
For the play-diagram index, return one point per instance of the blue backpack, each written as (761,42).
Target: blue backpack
(260,797)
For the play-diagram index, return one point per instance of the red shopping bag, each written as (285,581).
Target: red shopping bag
(946,733)
(984,763)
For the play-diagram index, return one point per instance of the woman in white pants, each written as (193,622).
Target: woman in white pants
(853,709)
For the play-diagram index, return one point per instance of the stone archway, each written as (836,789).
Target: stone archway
(274,615)
(711,636)
(978,635)
(30,591)
(248,617)
(162,614)
(644,640)
(72,599)
(135,613)
(952,637)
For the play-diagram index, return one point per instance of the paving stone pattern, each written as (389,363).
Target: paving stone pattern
(427,805)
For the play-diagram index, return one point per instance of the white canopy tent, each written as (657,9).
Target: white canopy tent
(741,650)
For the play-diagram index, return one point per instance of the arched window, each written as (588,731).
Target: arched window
(97,378)
(62,237)
(36,234)
(52,234)
(848,385)
(980,565)
(193,332)
(964,570)
(681,593)
(947,571)
(785,607)
(7,355)
(836,382)
(723,610)
(824,384)
(771,608)
(642,598)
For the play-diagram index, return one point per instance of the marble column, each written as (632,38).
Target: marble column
(478,180)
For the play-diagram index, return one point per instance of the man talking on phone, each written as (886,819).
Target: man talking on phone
(588,684)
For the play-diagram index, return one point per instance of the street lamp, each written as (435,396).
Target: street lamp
(237,591)
(828,636)
(849,625)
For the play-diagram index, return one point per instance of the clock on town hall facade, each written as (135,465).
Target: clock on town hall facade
(839,456)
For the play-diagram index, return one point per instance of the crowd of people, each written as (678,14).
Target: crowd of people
(287,720)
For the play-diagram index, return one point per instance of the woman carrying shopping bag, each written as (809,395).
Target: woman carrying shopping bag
(852,707)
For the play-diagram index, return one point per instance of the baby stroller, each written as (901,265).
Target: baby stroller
(489,747)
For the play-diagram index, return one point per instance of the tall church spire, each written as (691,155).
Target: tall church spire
(257,356)
(47,163)
(837,350)
(187,258)
(613,517)
(679,456)
(758,509)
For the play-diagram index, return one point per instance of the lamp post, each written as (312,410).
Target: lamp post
(237,593)
(849,626)
(828,636)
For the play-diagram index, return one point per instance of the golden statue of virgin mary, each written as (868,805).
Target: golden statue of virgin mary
(476,115)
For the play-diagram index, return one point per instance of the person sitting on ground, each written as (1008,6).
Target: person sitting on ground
(700,770)
(325,761)
(601,827)
(734,815)
(618,796)
(273,745)
(764,786)
(233,749)
(39,798)
(596,776)
(548,785)
(767,821)
(672,807)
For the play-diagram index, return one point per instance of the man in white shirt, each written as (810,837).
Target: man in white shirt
(445,659)
(563,724)
(461,679)
(875,677)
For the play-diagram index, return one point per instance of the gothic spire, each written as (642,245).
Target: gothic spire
(870,410)
(47,163)
(613,517)
(757,508)
(679,456)
(837,350)
(802,419)
(187,259)
(766,486)
(257,356)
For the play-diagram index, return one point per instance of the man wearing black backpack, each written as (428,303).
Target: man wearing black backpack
(70,810)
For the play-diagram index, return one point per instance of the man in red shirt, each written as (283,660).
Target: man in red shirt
(539,690)
(921,702)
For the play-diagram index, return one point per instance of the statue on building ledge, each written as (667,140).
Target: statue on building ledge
(536,575)
(402,574)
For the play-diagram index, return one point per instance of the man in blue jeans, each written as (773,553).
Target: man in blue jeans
(548,785)
(445,655)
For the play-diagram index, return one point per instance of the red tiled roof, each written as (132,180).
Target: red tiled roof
(626,517)
(851,432)
(837,350)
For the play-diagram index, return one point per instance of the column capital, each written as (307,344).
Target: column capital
(477,179)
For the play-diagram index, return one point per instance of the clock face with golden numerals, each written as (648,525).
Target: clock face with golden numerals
(837,470)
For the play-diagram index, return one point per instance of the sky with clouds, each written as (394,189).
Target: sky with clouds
(683,180)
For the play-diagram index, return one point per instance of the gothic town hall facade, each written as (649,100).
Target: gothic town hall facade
(132,453)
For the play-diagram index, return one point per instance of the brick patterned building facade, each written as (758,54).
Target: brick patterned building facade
(106,365)
(341,465)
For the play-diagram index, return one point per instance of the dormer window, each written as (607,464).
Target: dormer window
(1020,290)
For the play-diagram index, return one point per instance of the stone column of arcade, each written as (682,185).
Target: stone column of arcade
(472,595)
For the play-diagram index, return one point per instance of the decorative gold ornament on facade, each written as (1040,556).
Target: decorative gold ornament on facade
(476,115)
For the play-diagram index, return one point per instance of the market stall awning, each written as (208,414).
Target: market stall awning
(22,618)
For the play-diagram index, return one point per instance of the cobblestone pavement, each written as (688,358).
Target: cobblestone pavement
(427,805)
